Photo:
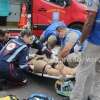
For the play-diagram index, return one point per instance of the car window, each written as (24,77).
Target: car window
(62,3)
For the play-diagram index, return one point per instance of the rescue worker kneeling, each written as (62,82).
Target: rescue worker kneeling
(14,59)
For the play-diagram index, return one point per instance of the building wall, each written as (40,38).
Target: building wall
(15,1)
(4,8)
(14,14)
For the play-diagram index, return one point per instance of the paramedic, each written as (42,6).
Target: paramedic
(14,58)
(51,30)
(68,38)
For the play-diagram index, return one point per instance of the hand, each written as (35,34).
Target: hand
(60,58)
(60,66)
(31,67)
(55,58)
(44,48)
(46,51)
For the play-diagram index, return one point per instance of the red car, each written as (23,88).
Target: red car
(43,12)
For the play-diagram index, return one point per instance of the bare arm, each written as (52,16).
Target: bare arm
(65,51)
(88,26)
(69,45)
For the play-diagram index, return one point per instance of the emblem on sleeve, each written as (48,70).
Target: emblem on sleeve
(89,2)
(11,46)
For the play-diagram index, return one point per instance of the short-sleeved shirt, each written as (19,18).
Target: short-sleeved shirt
(51,29)
(94,5)
(71,37)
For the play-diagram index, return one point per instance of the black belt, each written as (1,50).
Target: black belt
(43,69)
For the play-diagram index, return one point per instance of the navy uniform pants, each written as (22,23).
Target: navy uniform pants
(12,73)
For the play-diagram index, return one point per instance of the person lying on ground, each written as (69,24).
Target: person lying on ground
(49,66)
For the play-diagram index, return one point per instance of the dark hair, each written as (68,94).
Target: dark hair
(2,33)
(26,32)
(61,27)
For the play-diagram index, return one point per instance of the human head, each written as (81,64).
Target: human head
(7,35)
(61,30)
(52,40)
(2,35)
(27,36)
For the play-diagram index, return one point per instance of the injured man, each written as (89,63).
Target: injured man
(50,66)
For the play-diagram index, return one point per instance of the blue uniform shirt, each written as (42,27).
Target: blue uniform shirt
(14,51)
(72,36)
(51,29)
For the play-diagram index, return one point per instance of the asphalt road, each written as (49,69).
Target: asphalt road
(36,84)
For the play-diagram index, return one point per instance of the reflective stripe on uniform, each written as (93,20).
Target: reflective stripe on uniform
(16,42)
(15,53)
(23,66)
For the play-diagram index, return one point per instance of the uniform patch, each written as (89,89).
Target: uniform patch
(89,2)
(11,46)
(27,57)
